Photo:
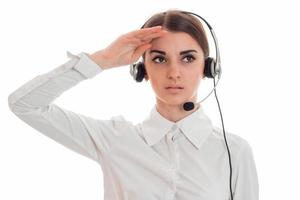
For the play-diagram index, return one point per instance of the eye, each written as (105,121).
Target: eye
(159,57)
(190,58)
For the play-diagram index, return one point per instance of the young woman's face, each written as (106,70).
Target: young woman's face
(174,60)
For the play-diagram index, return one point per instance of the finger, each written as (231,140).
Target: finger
(140,50)
(141,32)
(134,41)
(153,31)
(141,41)
(149,37)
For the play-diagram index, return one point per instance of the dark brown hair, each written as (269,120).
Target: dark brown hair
(176,21)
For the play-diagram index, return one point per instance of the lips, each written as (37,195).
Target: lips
(174,87)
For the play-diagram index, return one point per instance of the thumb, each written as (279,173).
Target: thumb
(140,50)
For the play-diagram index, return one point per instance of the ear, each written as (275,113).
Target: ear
(146,77)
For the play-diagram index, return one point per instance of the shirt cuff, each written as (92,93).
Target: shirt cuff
(86,66)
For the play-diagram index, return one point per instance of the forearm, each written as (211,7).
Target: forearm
(45,88)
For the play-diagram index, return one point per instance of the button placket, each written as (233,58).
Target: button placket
(171,138)
(170,141)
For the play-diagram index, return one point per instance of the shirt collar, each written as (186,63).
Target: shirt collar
(195,126)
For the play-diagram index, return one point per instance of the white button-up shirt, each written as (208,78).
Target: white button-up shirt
(156,159)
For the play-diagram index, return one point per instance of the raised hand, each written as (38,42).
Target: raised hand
(127,48)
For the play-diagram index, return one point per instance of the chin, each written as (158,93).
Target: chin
(173,100)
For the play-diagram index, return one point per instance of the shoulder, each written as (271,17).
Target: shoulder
(119,122)
(238,146)
(233,139)
(114,125)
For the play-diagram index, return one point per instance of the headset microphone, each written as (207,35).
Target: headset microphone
(187,106)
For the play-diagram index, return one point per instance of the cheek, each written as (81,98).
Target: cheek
(193,81)
(156,84)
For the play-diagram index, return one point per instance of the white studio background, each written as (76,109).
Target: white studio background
(258,93)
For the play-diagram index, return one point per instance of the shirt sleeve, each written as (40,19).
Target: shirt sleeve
(246,180)
(33,104)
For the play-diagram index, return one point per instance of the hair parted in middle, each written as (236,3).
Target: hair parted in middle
(177,21)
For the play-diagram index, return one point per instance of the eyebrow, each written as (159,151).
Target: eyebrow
(181,53)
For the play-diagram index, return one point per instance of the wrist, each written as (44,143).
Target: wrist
(101,58)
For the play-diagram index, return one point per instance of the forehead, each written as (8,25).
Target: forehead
(175,41)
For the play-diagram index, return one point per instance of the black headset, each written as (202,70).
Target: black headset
(212,69)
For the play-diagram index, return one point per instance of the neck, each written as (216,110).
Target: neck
(175,112)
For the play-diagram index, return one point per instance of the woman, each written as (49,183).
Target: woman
(173,153)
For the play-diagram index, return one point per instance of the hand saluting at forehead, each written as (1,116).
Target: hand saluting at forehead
(127,48)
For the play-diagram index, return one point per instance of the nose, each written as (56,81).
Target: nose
(174,72)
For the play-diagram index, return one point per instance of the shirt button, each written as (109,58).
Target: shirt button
(173,138)
(174,135)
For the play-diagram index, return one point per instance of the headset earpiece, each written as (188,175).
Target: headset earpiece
(138,71)
(210,67)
